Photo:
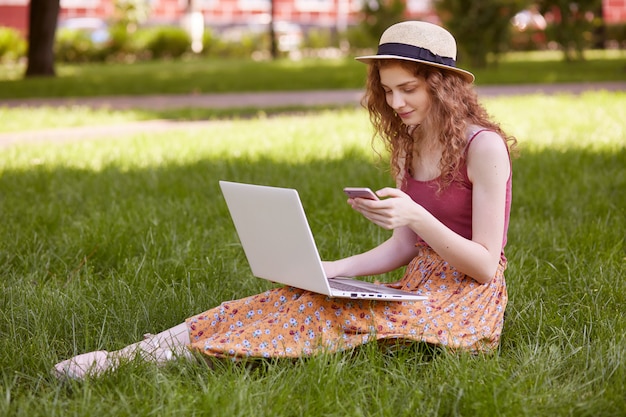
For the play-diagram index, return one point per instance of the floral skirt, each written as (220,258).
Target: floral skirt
(458,313)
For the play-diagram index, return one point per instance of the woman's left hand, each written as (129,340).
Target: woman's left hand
(394,209)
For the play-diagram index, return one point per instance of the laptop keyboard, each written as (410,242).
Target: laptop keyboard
(353,288)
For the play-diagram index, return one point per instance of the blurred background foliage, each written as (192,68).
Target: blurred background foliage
(484,31)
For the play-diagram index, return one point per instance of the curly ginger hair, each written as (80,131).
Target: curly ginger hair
(454,107)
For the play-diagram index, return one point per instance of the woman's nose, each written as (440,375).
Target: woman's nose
(397,101)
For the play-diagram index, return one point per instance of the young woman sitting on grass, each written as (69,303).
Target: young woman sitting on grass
(449,215)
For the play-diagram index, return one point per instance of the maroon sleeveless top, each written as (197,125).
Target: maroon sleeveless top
(453,206)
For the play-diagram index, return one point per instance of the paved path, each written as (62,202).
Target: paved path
(233,100)
(285,98)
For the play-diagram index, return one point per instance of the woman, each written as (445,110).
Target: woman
(449,215)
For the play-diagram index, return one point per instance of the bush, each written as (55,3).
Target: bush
(481,29)
(320,38)
(616,35)
(527,40)
(142,44)
(12,45)
(360,38)
(77,46)
(122,46)
(216,46)
(165,42)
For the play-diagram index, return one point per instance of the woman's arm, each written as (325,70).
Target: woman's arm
(395,252)
(488,169)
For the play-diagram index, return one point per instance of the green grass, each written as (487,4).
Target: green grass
(215,76)
(23,119)
(104,240)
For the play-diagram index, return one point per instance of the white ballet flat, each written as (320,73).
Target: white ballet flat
(95,363)
(79,367)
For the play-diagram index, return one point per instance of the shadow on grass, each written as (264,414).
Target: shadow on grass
(85,254)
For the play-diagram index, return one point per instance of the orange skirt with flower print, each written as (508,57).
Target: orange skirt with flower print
(459,313)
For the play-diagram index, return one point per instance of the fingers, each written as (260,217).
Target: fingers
(387,212)
(386,192)
(378,217)
(389,192)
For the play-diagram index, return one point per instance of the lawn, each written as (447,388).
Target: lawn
(215,76)
(104,240)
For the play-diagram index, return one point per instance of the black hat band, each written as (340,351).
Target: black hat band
(414,52)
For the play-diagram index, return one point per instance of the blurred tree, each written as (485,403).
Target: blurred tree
(272,31)
(42,24)
(571,24)
(480,27)
(129,14)
(378,15)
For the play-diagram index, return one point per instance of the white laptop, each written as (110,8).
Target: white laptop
(279,245)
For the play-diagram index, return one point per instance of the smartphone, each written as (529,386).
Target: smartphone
(360,192)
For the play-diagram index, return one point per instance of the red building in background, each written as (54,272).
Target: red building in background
(218,13)
(614,11)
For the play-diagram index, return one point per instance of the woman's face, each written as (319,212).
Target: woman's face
(406,93)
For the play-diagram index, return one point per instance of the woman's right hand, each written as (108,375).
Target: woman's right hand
(395,210)
(397,285)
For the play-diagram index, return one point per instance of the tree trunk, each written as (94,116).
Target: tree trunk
(42,25)
(272,32)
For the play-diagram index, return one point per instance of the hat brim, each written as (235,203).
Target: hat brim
(468,76)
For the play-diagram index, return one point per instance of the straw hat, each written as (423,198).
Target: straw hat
(421,42)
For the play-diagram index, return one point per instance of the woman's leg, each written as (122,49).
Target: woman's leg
(159,348)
